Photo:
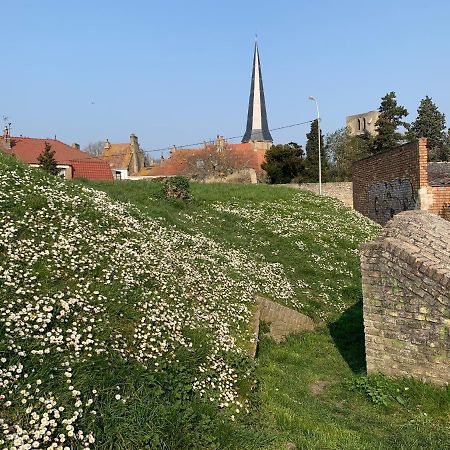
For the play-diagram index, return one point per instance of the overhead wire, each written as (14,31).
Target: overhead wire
(187,146)
(226,138)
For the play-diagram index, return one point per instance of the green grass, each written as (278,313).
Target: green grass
(312,388)
(309,395)
(315,240)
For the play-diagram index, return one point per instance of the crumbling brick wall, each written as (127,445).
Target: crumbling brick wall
(406,287)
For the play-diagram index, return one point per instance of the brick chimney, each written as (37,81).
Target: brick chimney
(137,155)
(6,139)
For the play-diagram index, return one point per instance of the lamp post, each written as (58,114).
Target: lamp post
(318,132)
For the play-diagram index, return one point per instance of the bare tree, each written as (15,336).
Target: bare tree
(95,148)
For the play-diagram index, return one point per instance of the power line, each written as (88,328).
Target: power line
(197,143)
(226,138)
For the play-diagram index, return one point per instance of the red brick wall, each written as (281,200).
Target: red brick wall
(440,201)
(397,180)
(376,177)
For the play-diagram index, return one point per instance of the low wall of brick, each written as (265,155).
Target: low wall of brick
(436,199)
(281,319)
(406,289)
(342,191)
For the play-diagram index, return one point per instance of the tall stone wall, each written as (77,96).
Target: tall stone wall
(406,288)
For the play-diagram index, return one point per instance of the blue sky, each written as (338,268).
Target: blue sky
(179,72)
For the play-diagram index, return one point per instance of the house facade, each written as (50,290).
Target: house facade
(71,161)
(124,160)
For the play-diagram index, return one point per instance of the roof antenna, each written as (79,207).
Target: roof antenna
(7,124)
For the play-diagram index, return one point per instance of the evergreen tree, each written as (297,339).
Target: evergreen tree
(430,123)
(390,119)
(312,154)
(47,160)
(283,163)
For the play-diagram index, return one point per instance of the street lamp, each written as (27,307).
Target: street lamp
(318,132)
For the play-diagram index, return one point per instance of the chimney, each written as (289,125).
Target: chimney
(136,155)
(76,146)
(6,139)
(107,145)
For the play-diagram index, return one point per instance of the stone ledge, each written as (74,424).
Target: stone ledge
(283,321)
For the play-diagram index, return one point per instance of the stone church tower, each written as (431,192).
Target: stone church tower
(257,127)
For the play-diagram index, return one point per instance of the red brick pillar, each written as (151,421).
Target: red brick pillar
(423,163)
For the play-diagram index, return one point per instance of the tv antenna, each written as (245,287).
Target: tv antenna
(7,124)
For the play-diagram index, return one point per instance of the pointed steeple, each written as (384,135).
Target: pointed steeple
(257,127)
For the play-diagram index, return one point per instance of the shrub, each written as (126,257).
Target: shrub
(176,188)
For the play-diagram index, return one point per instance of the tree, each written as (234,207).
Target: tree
(390,119)
(284,162)
(95,148)
(47,160)
(312,154)
(342,149)
(430,123)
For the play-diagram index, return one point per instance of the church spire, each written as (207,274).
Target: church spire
(257,127)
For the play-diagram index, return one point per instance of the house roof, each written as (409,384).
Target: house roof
(240,156)
(84,165)
(92,170)
(118,156)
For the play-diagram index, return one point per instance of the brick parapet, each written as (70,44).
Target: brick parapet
(406,288)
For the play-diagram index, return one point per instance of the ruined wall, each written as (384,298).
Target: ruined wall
(365,122)
(388,183)
(406,289)
(437,197)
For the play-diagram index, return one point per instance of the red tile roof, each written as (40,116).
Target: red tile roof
(84,165)
(92,170)
(118,155)
(239,155)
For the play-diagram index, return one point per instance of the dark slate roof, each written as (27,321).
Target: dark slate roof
(252,134)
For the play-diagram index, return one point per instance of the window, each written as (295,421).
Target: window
(364,123)
(118,175)
(359,124)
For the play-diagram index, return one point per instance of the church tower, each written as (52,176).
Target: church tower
(257,127)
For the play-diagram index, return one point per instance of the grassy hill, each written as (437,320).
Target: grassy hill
(312,390)
(124,322)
